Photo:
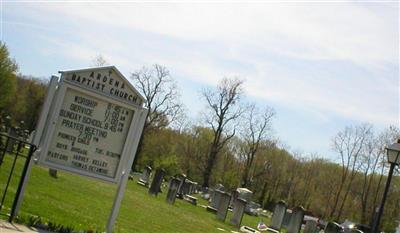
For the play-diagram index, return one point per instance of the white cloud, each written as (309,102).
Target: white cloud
(244,40)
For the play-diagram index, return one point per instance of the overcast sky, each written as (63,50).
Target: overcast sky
(322,66)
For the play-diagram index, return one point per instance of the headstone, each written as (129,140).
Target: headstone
(11,141)
(252,208)
(219,187)
(311,227)
(245,194)
(173,190)
(182,177)
(210,194)
(155,187)
(286,218)
(213,193)
(247,229)
(195,187)
(192,200)
(296,220)
(144,179)
(186,187)
(278,215)
(332,227)
(223,205)
(238,210)
(216,197)
(205,193)
(53,172)
(192,187)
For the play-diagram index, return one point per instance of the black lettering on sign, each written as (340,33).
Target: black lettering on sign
(67,137)
(98,170)
(92,122)
(112,154)
(81,158)
(70,115)
(72,125)
(79,109)
(99,163)
(99,151)
(56,155)
(61,146)
(79,165)
(87,102)
(79,150)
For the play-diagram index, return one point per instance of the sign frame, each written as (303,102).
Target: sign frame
(133,130)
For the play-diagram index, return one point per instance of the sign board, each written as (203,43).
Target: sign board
(94,119)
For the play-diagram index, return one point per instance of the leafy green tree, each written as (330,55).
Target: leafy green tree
(26,103)
(8,69)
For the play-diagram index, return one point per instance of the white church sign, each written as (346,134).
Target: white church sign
(90,124)
(94,121)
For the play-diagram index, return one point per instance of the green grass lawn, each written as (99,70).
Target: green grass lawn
(84,204)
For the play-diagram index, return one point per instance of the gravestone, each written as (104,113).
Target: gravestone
(205,193)
(277,216)
(218,187)
(186,187)
(192,200)
(144,179)
(192,187)
(245,194)
(332,227)
(216,197)
(286,218)
(238,210)
(53,173)
(296,220)
(252,208)
(223,205)
(173,190)
(11,141)
(182,177)
(155,187)
(311,227)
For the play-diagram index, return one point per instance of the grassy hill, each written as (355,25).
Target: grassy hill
(83,204)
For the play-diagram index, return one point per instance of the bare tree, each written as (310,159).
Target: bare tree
(348,144)
(369,162)
(255,129)
(223,108)
(162,99)
(99,60)
(387,137)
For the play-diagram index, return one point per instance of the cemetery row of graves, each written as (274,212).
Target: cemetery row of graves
(217,201)
(239,202)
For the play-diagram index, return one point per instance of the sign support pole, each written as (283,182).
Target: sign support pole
(38,135)
(124,176)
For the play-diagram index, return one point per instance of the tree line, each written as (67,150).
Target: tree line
(233,144)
